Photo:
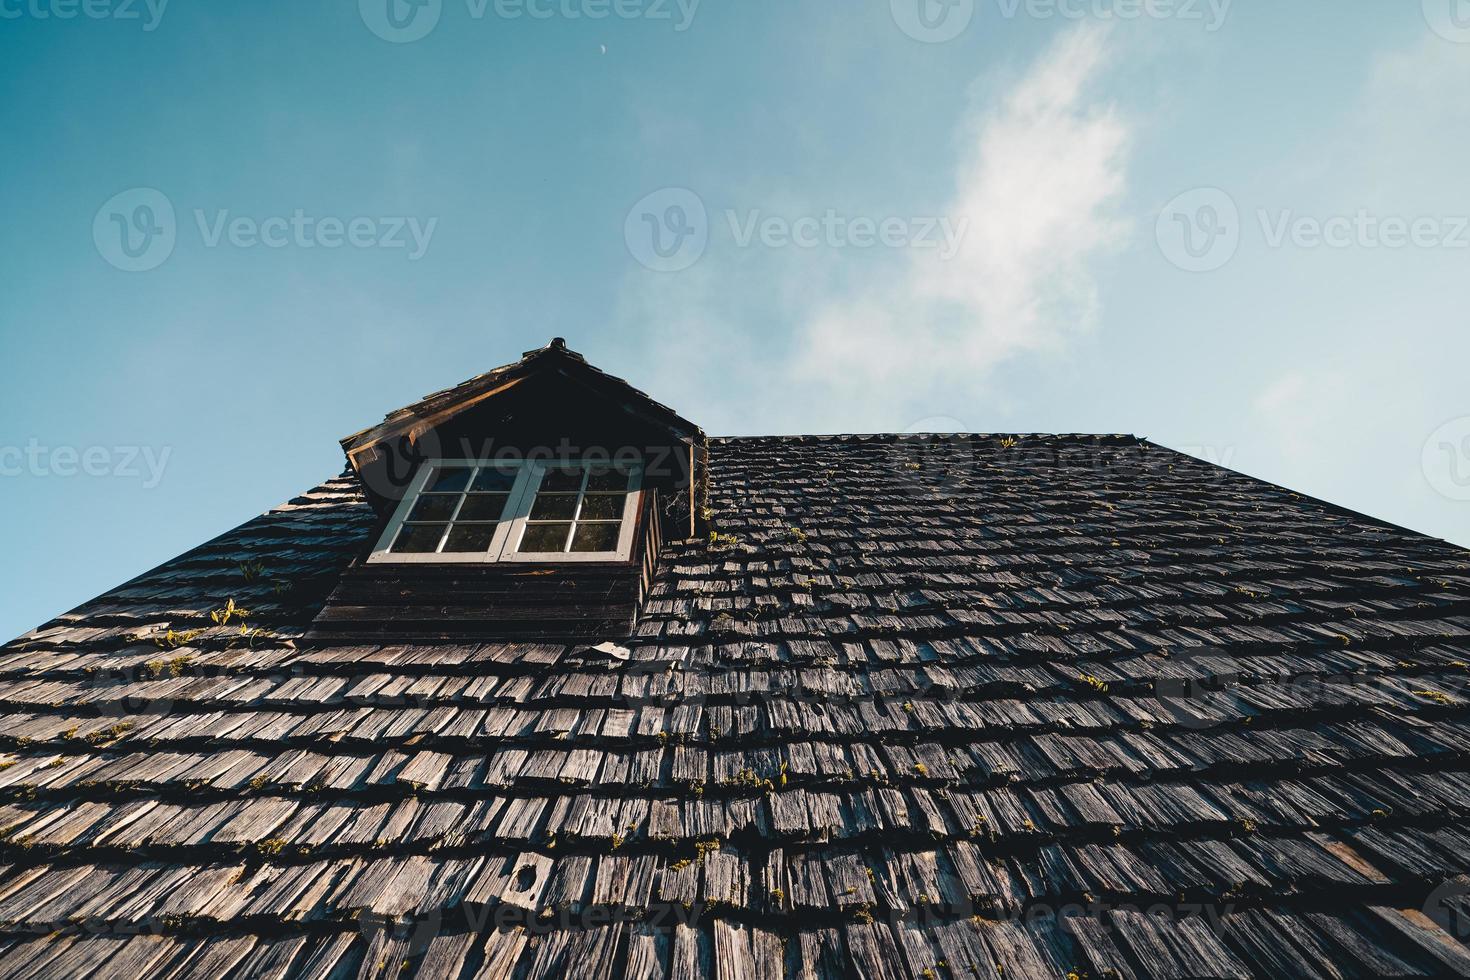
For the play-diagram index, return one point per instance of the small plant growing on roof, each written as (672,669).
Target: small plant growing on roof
(1096,683)
(796,534)
(252,570)
(722,542)
(1009,442)
(174,639)
(227,612)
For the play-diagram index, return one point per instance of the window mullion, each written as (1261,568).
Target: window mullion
(566,545)
(518,508)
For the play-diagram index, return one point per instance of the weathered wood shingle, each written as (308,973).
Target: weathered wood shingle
(951,707)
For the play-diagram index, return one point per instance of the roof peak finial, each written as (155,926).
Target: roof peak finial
(558,343)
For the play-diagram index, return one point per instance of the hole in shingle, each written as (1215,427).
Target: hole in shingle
(525,878)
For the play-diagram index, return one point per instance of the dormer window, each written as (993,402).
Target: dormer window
(546,524)
(459,510)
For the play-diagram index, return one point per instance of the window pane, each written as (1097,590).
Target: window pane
(493,481)
(607,479)
(483,507)
(470,538)
(544,537)
(562,478)
(596,537)
(448,480)
(435,508)
(603,506)
(418,539)
(554,507)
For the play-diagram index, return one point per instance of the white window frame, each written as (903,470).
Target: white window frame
(521,510)
(512,524)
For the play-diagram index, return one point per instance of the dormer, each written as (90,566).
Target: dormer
(528,502)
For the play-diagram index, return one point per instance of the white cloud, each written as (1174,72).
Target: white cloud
(844,339)
(1038,187)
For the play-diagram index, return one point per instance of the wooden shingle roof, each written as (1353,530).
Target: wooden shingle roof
(1016,707)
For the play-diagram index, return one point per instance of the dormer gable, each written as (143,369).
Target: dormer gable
(528,501)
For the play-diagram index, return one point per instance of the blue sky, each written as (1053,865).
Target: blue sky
(1236,228)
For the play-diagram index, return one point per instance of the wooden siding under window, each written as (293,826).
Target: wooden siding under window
(567,601)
